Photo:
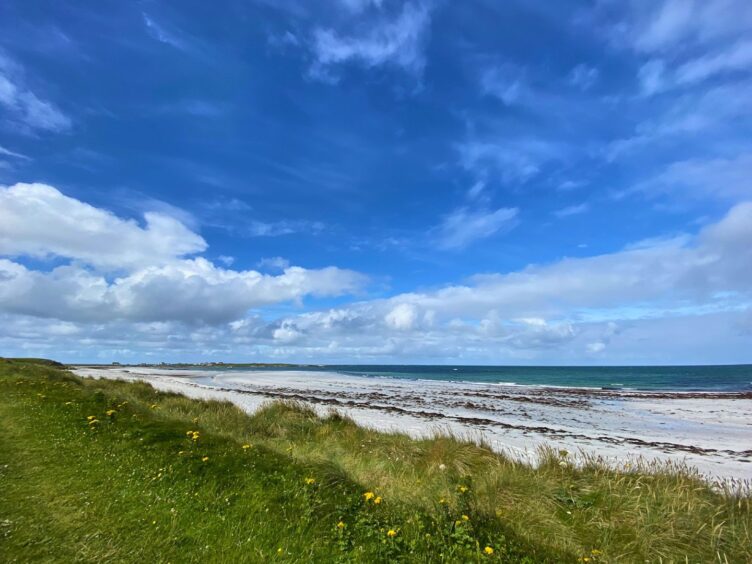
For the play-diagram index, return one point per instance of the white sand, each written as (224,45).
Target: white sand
(710,432)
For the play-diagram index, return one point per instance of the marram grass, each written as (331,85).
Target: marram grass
(117,472)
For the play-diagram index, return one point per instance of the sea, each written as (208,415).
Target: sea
(721,378)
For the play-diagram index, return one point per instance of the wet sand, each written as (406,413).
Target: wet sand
(711,432)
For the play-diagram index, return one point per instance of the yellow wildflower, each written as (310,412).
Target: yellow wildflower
(91,417)
(465,518)
(488,550)
(93,422)
(442,501)
(154,406)
(463,489)
(596,552)
(310,481)
(340,525)
(369,496)
(377,499)
(246,446)
(204,459)
(280,551)
(391,533)
(110,412)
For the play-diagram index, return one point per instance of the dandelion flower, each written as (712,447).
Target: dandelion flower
(310,481)
(91,417)
(369,496)
(391,533)
(463,489)
(246,446)
(110,412)
(377,500)
(340,525)
(442,501)
(280,551)
(596,552)
(488,550)
(154,406)
(204,459)
(465,518)
(93,422)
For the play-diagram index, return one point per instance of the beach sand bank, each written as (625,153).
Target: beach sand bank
(711,432)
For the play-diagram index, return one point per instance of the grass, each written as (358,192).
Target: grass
(134,486)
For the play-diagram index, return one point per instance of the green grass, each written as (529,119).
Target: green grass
(135,487)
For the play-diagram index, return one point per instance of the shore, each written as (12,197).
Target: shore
(711,432)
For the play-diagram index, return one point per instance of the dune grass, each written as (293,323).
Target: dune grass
(162,478)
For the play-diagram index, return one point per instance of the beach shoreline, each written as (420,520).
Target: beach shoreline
(708,431)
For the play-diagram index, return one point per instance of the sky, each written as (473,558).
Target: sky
(377,181)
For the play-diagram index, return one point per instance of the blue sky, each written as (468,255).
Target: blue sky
(377,181)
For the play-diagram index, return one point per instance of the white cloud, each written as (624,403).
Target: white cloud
(256,228)
(464,226)
(738,57)
(9,153)
(574,300)
(273,263)
(665,24)
(38,220)
(358,6)
(583,77)
(512,160)
(508,83)
(720,178)
(696,288)
(572,210)
(159,33)
(723,107)
(397,42)
(23,107)
(402,317)
(190,291)
(654,76)
(155,282)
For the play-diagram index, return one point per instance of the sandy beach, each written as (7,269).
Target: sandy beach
(711,432)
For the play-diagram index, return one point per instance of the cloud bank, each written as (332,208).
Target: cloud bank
(114,268)
(95,289)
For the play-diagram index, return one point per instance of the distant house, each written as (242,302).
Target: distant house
(116,364)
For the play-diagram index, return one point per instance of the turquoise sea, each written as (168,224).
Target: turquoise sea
(675,378)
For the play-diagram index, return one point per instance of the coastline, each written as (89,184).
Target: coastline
(708,431)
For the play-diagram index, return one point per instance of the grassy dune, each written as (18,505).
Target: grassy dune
(110,471)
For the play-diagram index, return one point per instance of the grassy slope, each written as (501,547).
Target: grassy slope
(134,487)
